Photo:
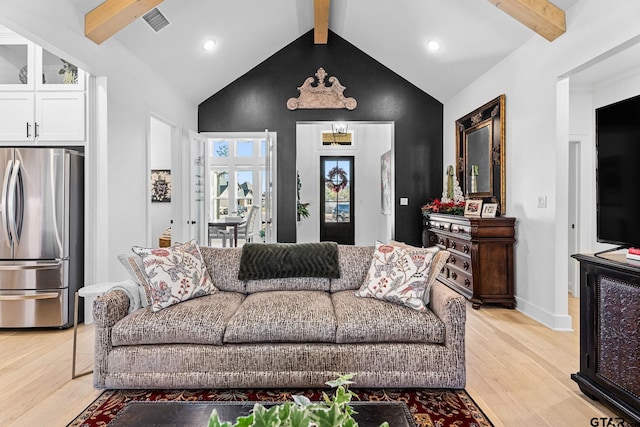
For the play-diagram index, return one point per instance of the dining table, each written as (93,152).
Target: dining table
(229,222)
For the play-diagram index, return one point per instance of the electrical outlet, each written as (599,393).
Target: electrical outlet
(542,201)
(404,201)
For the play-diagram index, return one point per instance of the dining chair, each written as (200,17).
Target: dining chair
(219,233)
(247,230)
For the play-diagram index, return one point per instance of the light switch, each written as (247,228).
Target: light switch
(542,201)
(404,201)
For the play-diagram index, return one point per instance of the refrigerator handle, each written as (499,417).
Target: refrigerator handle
(3,204)
(11,201)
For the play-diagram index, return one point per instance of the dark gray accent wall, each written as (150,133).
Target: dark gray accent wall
(257,101)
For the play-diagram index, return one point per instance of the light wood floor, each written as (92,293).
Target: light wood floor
(517,371)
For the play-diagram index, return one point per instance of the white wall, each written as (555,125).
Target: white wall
(134,92)
(537,144)
(371,140)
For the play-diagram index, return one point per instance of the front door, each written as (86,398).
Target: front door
(336,199)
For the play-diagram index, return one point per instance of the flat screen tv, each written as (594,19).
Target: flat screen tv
(618,173)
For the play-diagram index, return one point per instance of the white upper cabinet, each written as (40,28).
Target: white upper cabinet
(57,73)
(17,65)
(42,96)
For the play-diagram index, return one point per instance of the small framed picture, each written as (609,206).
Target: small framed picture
(473,207)
(489,210)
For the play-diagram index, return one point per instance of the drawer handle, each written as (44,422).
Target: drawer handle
(441,241)
(452,259)
(465,265)
(465,249)
(454,275)
(453,245)
(441,226)
(467,282)
(18,297)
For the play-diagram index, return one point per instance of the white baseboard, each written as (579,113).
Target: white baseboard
(557,322)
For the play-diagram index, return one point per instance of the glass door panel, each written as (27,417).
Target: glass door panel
(336,199)
(244,194)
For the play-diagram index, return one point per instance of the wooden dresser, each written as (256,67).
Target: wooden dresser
(481,263)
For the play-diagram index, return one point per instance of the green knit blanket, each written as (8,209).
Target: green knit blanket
(278,260)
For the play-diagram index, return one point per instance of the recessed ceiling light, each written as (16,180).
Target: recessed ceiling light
(433,45)
(209,45)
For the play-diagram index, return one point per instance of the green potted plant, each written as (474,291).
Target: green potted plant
(303,208)
(331,412)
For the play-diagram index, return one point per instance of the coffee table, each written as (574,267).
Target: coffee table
(196,414)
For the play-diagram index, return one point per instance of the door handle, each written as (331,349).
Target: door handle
(28,130)
(11,201)
(3,203)
(34,266)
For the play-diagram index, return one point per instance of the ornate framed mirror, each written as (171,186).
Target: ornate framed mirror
(480,153)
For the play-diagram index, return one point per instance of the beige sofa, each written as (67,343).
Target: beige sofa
(291,332)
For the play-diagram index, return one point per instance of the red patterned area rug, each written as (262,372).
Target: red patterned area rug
(438,408)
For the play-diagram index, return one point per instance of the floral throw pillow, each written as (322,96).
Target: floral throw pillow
(397,275)
(177,273)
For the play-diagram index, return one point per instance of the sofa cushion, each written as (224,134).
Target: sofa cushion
(283,316)
(175,274)
(223,265)
(397,275)
(197,321)
(354,264)
(288,284)
(368,320)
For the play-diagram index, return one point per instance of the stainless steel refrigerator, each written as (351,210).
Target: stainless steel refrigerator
(41,236)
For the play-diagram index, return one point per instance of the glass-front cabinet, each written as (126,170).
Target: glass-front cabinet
(16,54)
(57,73)
(42,96)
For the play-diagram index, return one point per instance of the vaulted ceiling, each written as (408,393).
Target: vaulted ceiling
(474,35)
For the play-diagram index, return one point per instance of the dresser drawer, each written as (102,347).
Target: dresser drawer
(460,262)
(461,279)
(439,225)
(435,239)
(461,229)
(459,245)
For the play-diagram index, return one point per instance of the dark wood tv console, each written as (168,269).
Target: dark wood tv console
(610,332)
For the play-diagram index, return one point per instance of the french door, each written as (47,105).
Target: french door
(336,199)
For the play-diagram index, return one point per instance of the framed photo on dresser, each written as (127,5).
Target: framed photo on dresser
(489,210)
(473,207)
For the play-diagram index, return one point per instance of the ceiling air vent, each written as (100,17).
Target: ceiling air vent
(155,19)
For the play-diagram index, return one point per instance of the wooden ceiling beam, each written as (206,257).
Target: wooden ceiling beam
(542,16)
(113,15)
(320,21)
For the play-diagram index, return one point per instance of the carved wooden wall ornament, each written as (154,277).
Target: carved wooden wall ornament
(321,96)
